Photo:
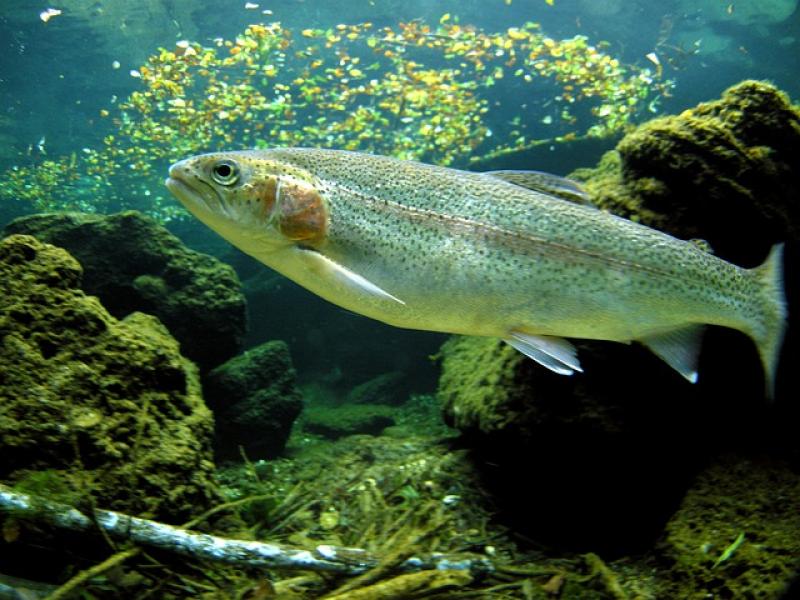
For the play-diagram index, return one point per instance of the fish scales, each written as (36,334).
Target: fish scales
(440,249)
(414,213)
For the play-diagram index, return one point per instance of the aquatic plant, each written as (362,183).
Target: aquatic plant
(412,91)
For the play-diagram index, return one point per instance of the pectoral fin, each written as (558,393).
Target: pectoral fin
(555,353)
(679,348)
(330,268)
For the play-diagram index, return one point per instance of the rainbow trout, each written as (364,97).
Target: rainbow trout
(491,254)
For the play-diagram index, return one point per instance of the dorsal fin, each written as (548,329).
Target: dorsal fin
(545,183)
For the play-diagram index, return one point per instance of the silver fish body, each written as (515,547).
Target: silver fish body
(433,248)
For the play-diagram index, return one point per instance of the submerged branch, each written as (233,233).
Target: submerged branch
(242,553)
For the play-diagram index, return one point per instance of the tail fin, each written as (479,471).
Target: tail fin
(771,299)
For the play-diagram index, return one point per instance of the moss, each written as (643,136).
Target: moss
(59,486)
(735,496)
(340,421)
(110,404)
(720,171)
(481,387)
(133,264)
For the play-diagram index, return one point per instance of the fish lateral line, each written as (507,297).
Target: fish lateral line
(426,216)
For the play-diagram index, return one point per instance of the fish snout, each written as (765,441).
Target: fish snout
(186,183)
(181,170)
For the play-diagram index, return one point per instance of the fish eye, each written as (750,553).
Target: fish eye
(225,172)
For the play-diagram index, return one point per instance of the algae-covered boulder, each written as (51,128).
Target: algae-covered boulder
(334,422)
(92,404)
(736,533)
(133,264)
(726,171)
(255,401)
(390,388)
(487,388)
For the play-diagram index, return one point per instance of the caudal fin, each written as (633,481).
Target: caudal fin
(772,301)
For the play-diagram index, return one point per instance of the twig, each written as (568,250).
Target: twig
(70,586)
(351,561)
(607,576)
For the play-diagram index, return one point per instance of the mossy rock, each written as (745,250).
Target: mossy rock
(109,408)
(133,264)
(487,388)
(334,422)
(702,548)
(388,388)
(724,171)
(255,400)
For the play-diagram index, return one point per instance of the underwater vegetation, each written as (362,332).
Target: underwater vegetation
(625,482)
(105,407)
(413,90)
(255,400)
(131,263)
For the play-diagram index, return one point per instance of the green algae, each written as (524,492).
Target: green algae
(131,263)
(53,484)
(110,405)
(721,170)
(481,386)
(333,422)
(749,500)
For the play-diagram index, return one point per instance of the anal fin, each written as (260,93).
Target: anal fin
(555,353)
(679,348)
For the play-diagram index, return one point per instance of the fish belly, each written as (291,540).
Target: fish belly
(459,286)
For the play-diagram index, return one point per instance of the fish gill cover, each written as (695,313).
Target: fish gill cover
(413,90)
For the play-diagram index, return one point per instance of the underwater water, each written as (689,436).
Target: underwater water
(199,377)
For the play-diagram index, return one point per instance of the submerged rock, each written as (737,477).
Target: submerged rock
(736,533)
(334,422)
(388,388)
(133,264)
(102,407)
(255,402)
(616,445)
(726,171)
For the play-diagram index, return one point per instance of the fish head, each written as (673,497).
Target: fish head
(252,195)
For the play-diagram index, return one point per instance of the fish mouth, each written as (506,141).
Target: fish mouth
(182,191)
(198,196)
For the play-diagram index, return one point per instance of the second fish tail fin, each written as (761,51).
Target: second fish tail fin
(771,302)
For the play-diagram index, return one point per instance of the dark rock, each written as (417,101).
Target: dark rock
(255,402)
(91,404)
(389,388)
(334,422)
(133,264)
